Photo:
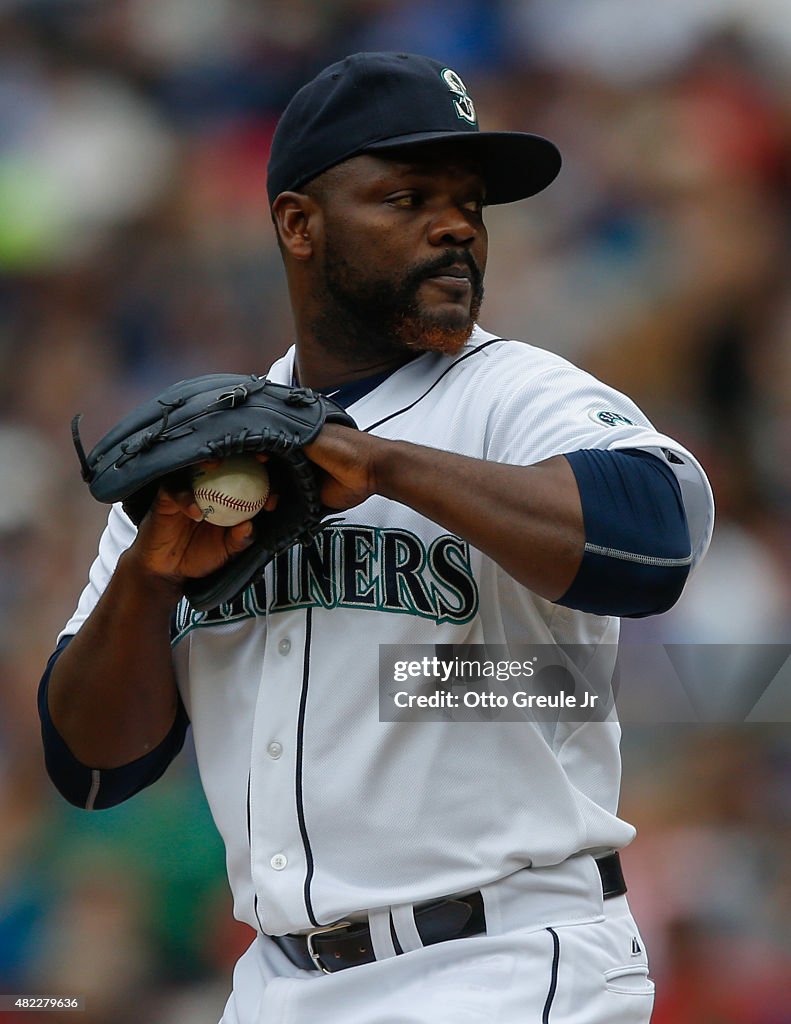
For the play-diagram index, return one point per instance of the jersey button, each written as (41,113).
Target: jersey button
(274,750)
(279,861)
(284,645)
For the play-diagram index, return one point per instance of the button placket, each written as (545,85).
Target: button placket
(276,874)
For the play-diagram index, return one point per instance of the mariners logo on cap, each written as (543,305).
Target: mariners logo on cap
(462,100)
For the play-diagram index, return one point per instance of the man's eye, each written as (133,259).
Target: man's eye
(475,205)
(405,199)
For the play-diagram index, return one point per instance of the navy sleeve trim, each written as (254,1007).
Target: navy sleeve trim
(99,788)
(637,553)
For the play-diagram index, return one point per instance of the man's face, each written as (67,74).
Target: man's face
(403,250)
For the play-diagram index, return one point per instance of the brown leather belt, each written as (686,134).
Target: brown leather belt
(346,944)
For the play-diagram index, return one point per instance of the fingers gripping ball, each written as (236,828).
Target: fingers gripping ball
(232,491)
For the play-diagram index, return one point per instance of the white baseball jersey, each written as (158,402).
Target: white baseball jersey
(324,809)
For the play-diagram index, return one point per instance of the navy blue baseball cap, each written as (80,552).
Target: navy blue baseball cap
(375,102)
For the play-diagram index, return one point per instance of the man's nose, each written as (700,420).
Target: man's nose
(452,225)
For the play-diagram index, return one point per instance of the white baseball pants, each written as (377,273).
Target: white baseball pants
(559,968)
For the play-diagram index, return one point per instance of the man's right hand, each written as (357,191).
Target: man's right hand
(175,543)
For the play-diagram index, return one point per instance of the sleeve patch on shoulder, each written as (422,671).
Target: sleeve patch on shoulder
(608,418)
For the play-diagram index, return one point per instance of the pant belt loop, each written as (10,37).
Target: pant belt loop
(381,939)
(405,927)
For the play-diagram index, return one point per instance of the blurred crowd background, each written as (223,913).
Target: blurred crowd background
(136,249)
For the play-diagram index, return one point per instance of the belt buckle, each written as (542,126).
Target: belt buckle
(314,956)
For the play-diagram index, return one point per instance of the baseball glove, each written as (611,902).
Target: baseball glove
(212,417)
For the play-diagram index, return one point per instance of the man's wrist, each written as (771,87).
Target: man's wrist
(388,463)
(134,574)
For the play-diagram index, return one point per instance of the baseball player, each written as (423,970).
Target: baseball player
(422,871)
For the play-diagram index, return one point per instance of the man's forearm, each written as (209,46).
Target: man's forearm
(112,692)
(527,518)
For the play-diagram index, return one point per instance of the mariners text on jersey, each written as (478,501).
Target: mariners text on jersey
(358,567)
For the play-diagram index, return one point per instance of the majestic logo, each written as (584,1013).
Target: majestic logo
(380,570)
(462,101)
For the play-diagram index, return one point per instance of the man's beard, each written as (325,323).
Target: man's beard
(371,318)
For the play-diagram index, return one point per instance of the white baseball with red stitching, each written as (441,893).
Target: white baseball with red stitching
(231,492)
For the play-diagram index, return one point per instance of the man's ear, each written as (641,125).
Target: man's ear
(294,214)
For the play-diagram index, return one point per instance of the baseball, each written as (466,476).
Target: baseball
(231,492)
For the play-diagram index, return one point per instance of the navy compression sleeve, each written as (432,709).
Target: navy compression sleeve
(637,546)
(94,788)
